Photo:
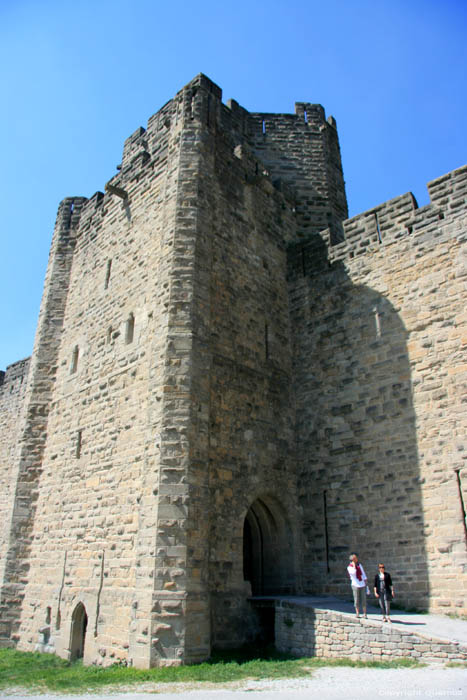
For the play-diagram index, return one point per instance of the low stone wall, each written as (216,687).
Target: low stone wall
(306,631)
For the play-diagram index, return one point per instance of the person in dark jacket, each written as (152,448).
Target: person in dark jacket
(384,591)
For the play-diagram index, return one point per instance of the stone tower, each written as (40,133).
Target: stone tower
(222,398)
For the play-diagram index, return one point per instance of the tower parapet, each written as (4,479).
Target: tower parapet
(303,150)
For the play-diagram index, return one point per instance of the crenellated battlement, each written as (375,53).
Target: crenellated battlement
(14,376)
(278,142)
(401,217)
(299,154)
(450,191)
(389,222)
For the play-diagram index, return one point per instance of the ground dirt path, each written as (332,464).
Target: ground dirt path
(326,684)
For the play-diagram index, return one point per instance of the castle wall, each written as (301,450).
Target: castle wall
(129,474)
(230,358)
(379,335)
(250,439)
(225,395)
(12,393)
(33,419)
(94,533)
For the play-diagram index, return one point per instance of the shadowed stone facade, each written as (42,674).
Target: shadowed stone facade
(232,385)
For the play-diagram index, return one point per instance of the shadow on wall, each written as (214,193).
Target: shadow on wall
(359,479)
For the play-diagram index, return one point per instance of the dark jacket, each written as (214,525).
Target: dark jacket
(387,583)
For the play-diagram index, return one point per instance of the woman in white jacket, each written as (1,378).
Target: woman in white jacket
(359,582)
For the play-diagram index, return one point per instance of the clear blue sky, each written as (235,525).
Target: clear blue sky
(79,76)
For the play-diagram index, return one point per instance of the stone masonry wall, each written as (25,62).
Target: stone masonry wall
(302,150)
(147,426)
(379,327)
(95,530)
(231,271)
(305,631)
(12,393)
(250,445)
(26,467)
(225,395)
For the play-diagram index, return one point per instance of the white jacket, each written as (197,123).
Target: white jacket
(353,576)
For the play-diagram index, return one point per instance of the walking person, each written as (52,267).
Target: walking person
(384,591)
(358,581)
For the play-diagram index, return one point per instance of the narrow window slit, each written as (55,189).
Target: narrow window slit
(263,126)
(107,274)
(74,360)
(377,322)
(130,329)
(378,230)
(79,441)
(306,116)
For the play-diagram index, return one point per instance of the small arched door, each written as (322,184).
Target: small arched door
(79,624)
(268,559)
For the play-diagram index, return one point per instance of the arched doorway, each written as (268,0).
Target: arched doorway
(268,558)
(79,623)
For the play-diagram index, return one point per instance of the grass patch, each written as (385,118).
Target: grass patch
(46,672)
(456,664)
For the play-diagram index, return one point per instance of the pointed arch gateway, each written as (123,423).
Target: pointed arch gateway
(268,551)
(79,624)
